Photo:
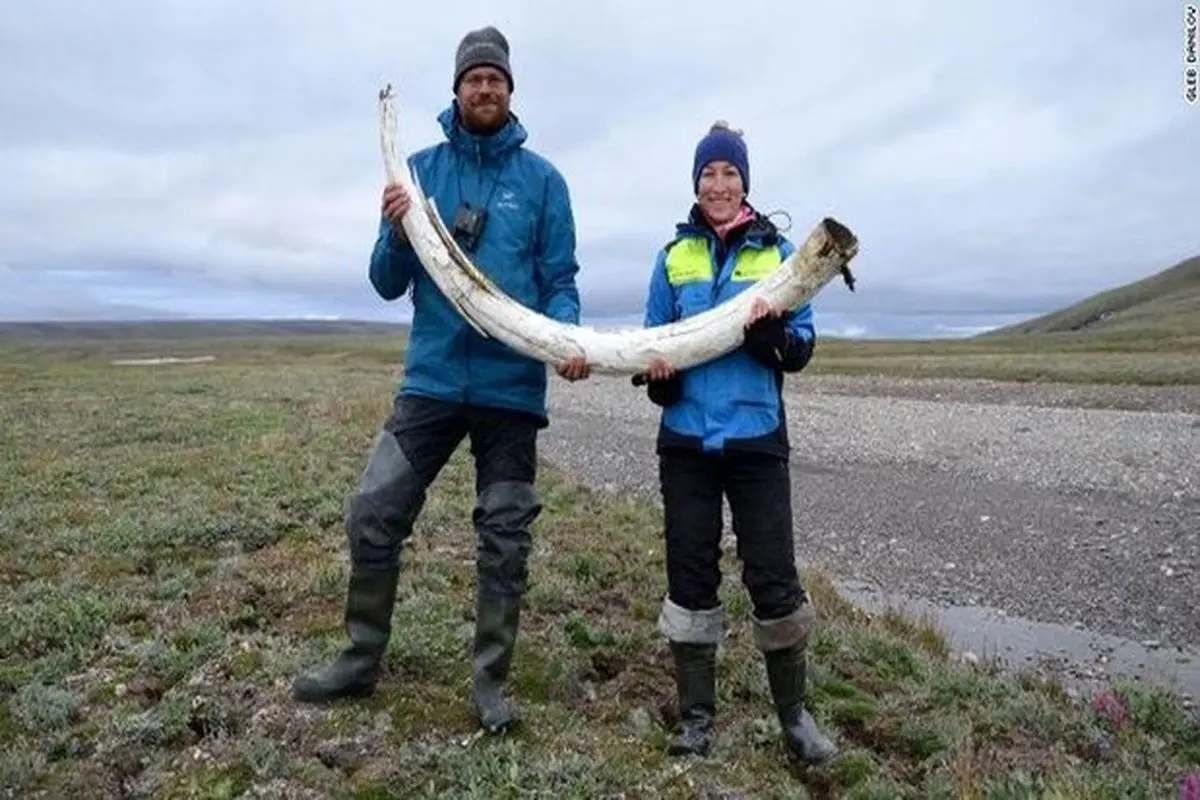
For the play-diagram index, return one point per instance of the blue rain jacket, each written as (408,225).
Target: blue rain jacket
(735,401)
(527,247)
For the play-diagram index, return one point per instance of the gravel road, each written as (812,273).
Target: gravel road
(1070,505)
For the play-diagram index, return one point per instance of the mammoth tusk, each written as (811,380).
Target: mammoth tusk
(823,255)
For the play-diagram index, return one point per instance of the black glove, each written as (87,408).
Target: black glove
(661,392)
(769,343)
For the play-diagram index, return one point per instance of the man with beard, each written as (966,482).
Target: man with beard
(509,209)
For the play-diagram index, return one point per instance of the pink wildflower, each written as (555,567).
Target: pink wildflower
(1110,708)
(1190,790)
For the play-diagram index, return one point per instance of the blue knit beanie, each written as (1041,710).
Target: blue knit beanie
(722,143)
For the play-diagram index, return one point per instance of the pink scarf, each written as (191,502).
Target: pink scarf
(744,214)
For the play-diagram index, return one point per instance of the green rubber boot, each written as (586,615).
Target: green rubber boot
(370,600)
(496,620)
(696,684)
(787,673)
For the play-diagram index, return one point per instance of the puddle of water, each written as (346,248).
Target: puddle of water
(138,362)
(1086,660)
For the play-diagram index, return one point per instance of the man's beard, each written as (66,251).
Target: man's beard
(477,123)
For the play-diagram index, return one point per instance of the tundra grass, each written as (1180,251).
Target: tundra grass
(172,555)
(1146,357)
(1141,358)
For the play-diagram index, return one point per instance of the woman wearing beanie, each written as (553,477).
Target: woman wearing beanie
(723,433)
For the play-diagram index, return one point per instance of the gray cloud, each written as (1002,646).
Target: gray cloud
(996,159)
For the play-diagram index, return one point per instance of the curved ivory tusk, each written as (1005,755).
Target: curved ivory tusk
(823,255)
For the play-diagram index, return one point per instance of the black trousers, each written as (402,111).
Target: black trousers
(758,487)
(414,445)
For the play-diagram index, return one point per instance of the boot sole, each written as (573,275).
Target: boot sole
(317,697)
(677,749)
(812,761)
(687,751)
(504,724)
(508,726)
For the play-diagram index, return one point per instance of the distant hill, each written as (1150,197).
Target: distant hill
(1164,304)
(184,329)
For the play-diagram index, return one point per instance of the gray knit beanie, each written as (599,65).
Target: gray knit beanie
(483,47)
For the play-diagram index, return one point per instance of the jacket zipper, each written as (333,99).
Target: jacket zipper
(467,334)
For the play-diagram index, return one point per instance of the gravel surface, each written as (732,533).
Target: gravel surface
(964,493)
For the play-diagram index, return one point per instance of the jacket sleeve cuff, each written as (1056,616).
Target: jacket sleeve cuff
(396,237)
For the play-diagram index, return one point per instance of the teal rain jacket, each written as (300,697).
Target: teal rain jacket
(527,247)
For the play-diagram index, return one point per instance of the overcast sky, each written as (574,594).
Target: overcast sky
(220,158)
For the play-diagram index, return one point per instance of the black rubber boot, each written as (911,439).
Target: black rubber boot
(787,672)
(696,684)
(370,600)
(496,620)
